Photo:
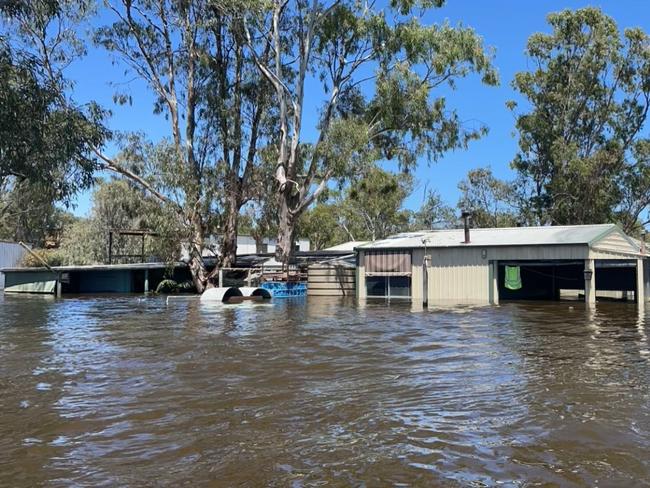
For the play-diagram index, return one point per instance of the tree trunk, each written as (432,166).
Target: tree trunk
(229,239)
(286,229)
(197,266)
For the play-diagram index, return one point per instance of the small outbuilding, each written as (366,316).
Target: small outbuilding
(518,263)
(99,278)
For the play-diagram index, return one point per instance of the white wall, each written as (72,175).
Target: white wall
(10,256)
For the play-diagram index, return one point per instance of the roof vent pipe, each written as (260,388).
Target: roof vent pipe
(466,215)
(643,246)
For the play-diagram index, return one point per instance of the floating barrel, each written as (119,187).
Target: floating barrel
(224,294)
(251,291)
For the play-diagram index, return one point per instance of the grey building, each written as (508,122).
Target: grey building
(469,265)
(11,254)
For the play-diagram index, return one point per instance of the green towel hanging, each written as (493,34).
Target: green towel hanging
(513,278)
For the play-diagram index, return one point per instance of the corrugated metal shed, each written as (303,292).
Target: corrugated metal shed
(11,254)
(446,269)
(507,236)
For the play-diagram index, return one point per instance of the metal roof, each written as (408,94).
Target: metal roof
(93,267)
(502,236)
(346,246)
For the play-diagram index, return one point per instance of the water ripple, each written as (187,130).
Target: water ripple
(109,391)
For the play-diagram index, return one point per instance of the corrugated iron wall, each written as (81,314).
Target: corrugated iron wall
(11,254)
(615,242)
(331,280)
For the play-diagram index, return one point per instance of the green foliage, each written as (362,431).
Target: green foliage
(582,158)
(322,227)
(170,286)
(381,71)
(119,205)
(372,206)
(45,139)
(28,213)
(368,209)
(492,202)
(433,214)
(51,256)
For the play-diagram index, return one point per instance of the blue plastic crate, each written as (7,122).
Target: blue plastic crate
(283,289)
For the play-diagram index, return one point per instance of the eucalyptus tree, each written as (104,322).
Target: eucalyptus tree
(191,56)
(372,206)
(378,70)
(46,139)
(434,213)
(491,201)
(583,141)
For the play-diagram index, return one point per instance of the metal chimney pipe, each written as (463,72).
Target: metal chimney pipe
(466,215)
(643,241)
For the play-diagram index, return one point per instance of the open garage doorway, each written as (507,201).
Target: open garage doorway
(565,280)
(541,280)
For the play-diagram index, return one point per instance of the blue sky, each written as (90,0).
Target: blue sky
(504,24)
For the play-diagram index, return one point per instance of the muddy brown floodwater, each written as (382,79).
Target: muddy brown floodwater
(127,391)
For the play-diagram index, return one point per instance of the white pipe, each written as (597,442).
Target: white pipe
(220,294)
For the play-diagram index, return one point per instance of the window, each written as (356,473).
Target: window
(388,286)
(377,286)
(399,286)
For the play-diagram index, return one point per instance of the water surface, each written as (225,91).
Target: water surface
(127,391)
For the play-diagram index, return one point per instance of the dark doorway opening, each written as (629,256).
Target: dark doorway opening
(556,280)
(542,280)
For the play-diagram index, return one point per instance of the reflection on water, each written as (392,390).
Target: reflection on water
(129,391)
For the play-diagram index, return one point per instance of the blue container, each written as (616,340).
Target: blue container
(284,289)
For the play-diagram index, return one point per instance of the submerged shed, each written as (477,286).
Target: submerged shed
(11,254)
(99,278)
(470,266)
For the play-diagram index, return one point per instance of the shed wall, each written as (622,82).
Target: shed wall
(331,280)
(11,254)
(113,281)
(30,282)
(616,243)
(462,274)
(459,275)
(417,275)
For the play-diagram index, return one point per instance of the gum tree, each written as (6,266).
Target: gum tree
(190,54)
(491,201)
(379,71)
(582,137)
(46,139)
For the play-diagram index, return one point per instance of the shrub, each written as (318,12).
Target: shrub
(52,257)
(171,286)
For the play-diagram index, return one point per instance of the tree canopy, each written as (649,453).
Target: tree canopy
(379,71)
(584,149)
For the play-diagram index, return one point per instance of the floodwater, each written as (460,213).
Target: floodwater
(127,391)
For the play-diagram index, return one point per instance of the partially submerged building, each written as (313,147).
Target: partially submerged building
(11,254)
(470,266)
(97,278)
